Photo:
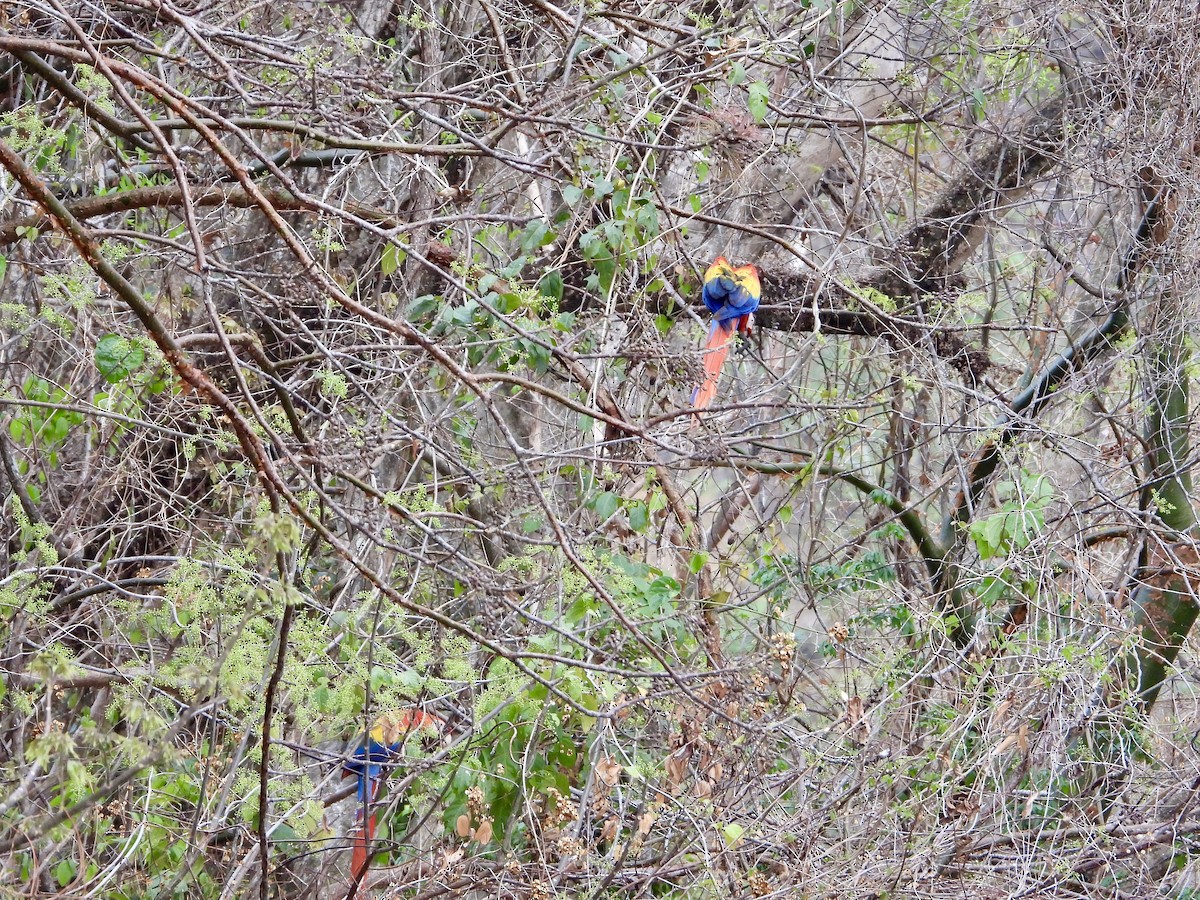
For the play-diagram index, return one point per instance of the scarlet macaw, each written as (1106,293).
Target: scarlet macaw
(731,294)
(383,744)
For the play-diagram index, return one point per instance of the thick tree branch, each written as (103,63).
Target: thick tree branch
(1028,403)
(930,256)
(172,196)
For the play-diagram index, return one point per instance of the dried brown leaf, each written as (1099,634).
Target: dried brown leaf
(483,834)
(645,822)
(609,831)
(1002,709)
(854,710)
(676,767)
(856,717)
(1006,744)
(608,771)
(440,253)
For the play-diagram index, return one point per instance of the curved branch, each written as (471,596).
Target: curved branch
(931,549)
(172,195)
(1030,402)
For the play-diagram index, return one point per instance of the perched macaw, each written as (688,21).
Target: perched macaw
(731,294)
(380,747)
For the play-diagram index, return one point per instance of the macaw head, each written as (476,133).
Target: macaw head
(745,277)
(386,738)
(393,727)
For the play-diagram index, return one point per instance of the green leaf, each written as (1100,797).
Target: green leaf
(572,194)
(732,832)
(393,256)
(989,536)
(551,284)
(737,74)
(661,591)
(3,265)
(509,302)
(697,562)
(639,516)
(759,93)
(117,357)
(537,357)
(605,504)
(536,234)
(978,103)
(465,314)
(597,251)
(286,834)
(64,872)
(994,589)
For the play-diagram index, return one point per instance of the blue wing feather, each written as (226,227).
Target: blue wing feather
(726,299)
(367,763)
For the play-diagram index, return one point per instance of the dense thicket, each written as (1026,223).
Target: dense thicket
(346,352)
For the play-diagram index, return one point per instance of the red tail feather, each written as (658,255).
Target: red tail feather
(720,336)
(359,858)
